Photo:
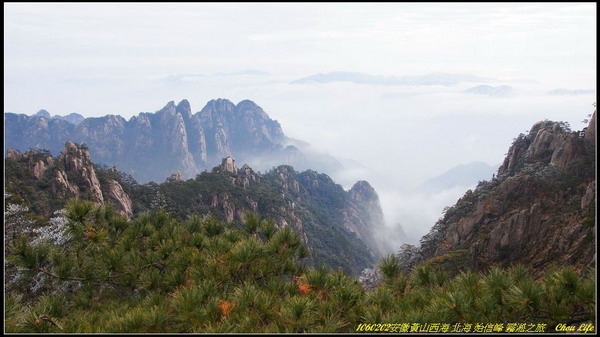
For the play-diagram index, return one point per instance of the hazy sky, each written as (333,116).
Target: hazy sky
(97,59)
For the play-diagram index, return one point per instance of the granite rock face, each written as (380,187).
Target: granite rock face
(72,174)
(590,132)
(539,211)
(366,219)
(117,195)
(228,165)
(78,163)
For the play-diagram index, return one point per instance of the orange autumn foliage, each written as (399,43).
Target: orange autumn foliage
(303,286)
(225,307)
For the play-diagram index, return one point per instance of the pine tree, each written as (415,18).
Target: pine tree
(159,274)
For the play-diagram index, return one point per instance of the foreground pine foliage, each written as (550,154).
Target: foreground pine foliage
(101,273)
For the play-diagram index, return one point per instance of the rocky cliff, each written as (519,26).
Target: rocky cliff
(371,225)
(151,146)
(71,174)
(538,211)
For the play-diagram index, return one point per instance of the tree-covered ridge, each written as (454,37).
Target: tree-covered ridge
(98,272)
(311,203)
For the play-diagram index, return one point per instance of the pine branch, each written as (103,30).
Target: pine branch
(49,273)
(48,319)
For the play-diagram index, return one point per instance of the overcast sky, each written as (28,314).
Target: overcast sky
(505,67)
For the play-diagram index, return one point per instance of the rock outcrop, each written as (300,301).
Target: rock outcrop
(118,196)
(371,224)
(539,211)
(72,174)
(590,196)
(590,131)
(77,163)
(37,162)
(174,177)
(228,165)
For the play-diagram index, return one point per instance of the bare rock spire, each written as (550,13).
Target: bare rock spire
(228,165)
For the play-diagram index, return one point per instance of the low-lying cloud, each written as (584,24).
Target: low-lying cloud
(416,213)
(195,77)
(361,78)
(567,92)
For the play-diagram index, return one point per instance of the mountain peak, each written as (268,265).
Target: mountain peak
(169,109)
(247,103)
(43,113)
(219,104)
(247,106)
(363,191)
(73,118)
(184,108)
(183,104)
(547,142)
(219,101)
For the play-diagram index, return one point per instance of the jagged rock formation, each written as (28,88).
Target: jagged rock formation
(174,177)
(77,163)
(539,211)
(37,165)
(228,165)
(546,142)
(71,174)
(151,146)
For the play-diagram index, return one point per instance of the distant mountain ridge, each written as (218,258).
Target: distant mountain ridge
(488,90)
(73,118)
(464,175)
(152,146)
